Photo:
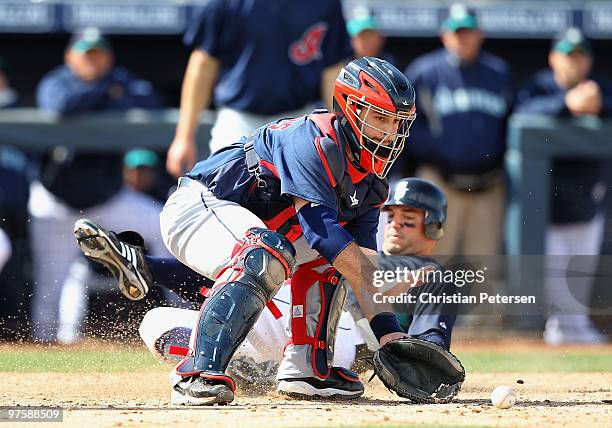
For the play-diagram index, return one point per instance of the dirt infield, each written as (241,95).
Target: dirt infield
(98,385)
(128,399)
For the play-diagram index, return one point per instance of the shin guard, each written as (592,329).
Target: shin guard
(260,263)
(317,299)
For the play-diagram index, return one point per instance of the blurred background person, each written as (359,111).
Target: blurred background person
(254,72)
(89,80)
(15,265)
(81,183)
(139,170)
(366,37)
(8,96)
(143,172)
(15,255)
(464,96)
(566,90)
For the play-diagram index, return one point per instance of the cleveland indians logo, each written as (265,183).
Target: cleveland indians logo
(308,48)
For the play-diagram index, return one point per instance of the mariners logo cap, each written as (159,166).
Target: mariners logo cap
(459,16)
(571,40)
(362,20)
(89,39)
(140,157)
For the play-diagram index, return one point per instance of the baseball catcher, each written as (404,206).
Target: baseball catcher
(299,198)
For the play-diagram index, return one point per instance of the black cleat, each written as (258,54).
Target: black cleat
(341,383)
(198,391)
(124,260)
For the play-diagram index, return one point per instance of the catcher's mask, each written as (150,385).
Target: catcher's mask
(371,94)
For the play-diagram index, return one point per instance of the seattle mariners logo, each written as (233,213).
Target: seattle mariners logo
(308,48)
(400,190)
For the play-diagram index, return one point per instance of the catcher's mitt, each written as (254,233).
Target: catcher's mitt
(419,370)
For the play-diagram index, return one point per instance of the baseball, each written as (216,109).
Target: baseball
(503,397)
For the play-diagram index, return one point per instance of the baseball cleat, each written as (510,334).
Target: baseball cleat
(198,391)
(249,373)
(124,260)
(337,385)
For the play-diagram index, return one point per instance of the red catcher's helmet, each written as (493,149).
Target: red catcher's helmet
(366,91)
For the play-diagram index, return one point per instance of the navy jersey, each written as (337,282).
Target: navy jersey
(420,317)
(272,52)
(79,178)
(461,127)
(63,92)
(297,159)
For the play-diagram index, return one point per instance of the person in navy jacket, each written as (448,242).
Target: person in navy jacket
(90,81)
(464,97)
(568,89)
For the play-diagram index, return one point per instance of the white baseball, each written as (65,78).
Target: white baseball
(503,397)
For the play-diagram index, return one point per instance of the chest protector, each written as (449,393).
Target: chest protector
(356,191)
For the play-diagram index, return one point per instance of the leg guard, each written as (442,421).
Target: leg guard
(317,299)
(261,262)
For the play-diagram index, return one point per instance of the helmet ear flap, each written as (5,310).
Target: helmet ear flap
(434,231)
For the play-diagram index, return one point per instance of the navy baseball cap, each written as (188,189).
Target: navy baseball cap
(140,157)
(89,39)
(361,23)
(571,40)
(459,16)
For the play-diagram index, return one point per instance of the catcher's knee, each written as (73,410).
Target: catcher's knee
(265,256)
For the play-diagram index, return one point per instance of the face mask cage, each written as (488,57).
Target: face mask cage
(364,117)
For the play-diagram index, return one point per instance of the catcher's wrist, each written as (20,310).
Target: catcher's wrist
(383,324)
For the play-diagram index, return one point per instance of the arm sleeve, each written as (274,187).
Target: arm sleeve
(364,228)
(533,99)
(205,31)
(322,231)
(337,44)
(420,141)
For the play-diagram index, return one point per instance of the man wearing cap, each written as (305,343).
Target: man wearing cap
(72,182)
(464,96)
(576,226)
(139,170)
(416,214)
(90,81)
(366,37)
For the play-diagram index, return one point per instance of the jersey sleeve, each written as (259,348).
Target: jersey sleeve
(205,31)
(536,98)
(364,228)
(337,44)
(302,173)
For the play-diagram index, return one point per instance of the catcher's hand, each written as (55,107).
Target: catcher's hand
(419,370)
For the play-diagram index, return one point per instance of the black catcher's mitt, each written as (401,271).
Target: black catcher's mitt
(419,370)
